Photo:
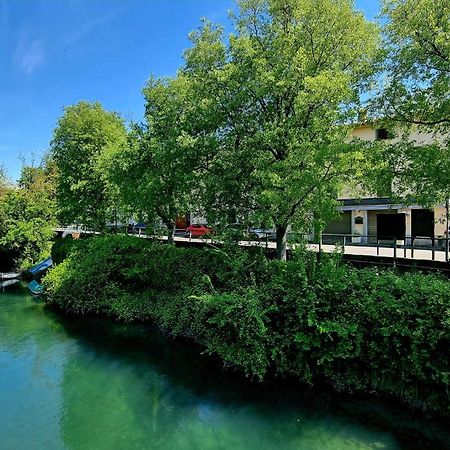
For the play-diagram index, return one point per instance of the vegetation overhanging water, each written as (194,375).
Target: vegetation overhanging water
(67,383)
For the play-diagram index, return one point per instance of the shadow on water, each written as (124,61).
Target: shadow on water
(186,369)
(82,383)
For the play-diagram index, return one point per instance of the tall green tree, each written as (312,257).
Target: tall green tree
(281,91)
(417,44)
(27,215)
(4,189)
(155,172)
(83,134)
(414,100)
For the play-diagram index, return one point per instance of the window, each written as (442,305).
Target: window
(381,134)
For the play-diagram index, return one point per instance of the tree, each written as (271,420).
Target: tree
(417,43)
(27,215)
(281,91)
(84,133)
(415,100)
(3,178)
(159,157)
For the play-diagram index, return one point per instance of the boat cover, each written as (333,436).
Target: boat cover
(35,287)
(38,268)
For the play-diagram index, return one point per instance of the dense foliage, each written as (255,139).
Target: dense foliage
(417,43)
(254,126)
(358,330)
(282,89)
(27,216)
(414,103)
(161,163)
(84,133)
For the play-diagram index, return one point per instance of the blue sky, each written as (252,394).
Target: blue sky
(54,53)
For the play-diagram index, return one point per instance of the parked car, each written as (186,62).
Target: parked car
(197,230)
(261,233)
(137,228)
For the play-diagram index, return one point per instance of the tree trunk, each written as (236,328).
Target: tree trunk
(170,232)
(281,242)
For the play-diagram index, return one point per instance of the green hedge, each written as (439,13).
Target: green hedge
(61,249)
(360,330)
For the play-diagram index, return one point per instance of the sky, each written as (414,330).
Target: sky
(55,53)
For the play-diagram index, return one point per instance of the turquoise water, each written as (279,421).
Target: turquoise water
(91,384)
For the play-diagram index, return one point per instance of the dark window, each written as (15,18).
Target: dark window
(391,226)
(422,223)
(381,134)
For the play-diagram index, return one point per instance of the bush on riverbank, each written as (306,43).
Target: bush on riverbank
(363,330)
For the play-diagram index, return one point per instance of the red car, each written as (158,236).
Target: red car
(198,230)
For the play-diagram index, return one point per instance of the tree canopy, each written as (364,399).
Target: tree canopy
(253,127)
(415,102)
(155,171)
(417,45)
(27,215)
(83,134)
(282,90)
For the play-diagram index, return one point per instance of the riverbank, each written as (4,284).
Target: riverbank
(358,330)
(93,383)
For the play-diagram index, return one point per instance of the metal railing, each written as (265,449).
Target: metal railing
(407,247)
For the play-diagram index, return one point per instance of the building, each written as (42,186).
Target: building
(370,219)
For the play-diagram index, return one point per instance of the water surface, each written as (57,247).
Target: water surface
(92,384)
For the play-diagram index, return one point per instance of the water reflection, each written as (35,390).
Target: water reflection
(91,384)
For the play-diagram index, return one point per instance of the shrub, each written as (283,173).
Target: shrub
(61,249)
(357,329)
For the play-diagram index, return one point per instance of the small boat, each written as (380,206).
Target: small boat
(7,283)
(35,287)
(9,275)
(38,268)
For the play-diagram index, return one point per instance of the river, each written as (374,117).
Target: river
(93,384)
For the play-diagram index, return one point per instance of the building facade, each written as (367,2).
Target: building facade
(370,219)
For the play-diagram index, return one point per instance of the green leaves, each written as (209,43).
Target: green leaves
(358,329)
(161,156)
(27,215)
(414,103)
(84,135)
(276,93)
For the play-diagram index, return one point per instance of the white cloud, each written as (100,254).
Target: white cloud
(92,24)
(30,54)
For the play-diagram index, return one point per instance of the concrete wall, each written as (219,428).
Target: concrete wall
(364,132)
(440,221)
(368,133)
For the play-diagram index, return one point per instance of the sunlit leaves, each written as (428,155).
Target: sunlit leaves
(279,95)
(83,135)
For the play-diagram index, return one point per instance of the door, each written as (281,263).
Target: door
(391,226)
(181,222)
(422,223)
